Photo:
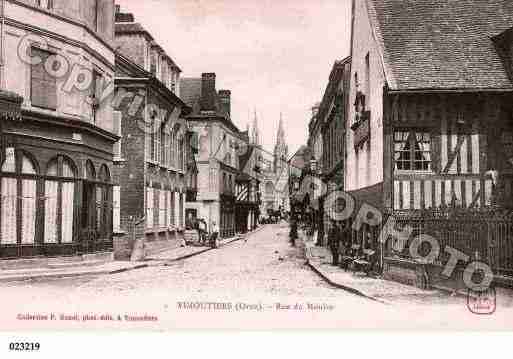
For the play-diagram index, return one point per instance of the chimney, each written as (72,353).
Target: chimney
(208,92)
(123,17)
(225,100)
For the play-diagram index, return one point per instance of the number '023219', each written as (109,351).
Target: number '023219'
(24,346)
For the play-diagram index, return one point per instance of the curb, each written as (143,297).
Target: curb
(343,287)
(15,278)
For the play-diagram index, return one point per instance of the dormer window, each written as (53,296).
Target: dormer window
(45,4)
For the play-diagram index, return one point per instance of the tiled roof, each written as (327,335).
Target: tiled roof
(441,44)
(131,28)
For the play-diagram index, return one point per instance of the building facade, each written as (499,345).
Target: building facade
(217,160)
(56,181)
(274,171)
(431,127)
(154,160)
(331,117)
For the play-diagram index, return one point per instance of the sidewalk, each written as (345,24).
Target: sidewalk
(319,259)
(63,267)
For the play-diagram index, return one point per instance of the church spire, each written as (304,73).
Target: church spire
(281,148)
(255,136)
(281,132)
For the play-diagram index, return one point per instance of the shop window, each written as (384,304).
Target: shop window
(43,89)
(18,173)
(412,150)
(59,201)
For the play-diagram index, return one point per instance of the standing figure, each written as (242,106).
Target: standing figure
(293,231)
(213,235)
(333,241)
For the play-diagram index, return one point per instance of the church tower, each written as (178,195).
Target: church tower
(255,136)
(281,150)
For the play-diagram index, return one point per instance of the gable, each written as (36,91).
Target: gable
(441,44)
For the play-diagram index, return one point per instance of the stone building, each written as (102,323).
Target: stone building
(218,159)
(274,175)
(154,161)
(57,147)
(327,140)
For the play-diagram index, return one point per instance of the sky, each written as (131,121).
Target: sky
(274,56)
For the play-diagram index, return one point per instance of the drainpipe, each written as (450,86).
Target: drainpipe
(2,5)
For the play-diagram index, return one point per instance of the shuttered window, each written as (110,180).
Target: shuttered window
(117,117)
(149,207)
(162,208)
(43,85)
(168,208)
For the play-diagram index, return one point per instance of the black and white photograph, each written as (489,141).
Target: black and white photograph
(256,165)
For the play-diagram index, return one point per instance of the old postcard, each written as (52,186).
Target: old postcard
(244,164)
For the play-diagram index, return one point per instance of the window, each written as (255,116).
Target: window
(412,150)
(59,199)
(181,209)
(95,92)
(155,139)
(18,173)
(149,207)
(172,209)
(367,78)
(181,154)
(96,11)
(103,224)
(153,63)
(162,208)
(43,86)
(169,209)
(116,202)
(45,4)
(117,117)
(164,73)
(172,149)
(173,81)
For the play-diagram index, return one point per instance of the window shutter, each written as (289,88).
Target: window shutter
(43,85)
(117,116)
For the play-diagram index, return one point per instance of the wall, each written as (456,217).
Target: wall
(78,48)
(365,166)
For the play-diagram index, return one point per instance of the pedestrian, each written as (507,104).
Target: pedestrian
(293,231)
(213,235)
(334,241)
(345,241)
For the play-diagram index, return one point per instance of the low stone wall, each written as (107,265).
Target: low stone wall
(154,243)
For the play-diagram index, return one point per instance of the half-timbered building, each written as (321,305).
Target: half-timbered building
(430,129)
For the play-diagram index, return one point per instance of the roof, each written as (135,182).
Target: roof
(136,28)
(441,44)
(190,90)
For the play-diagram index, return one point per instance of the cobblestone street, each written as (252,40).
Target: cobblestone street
(260,270)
